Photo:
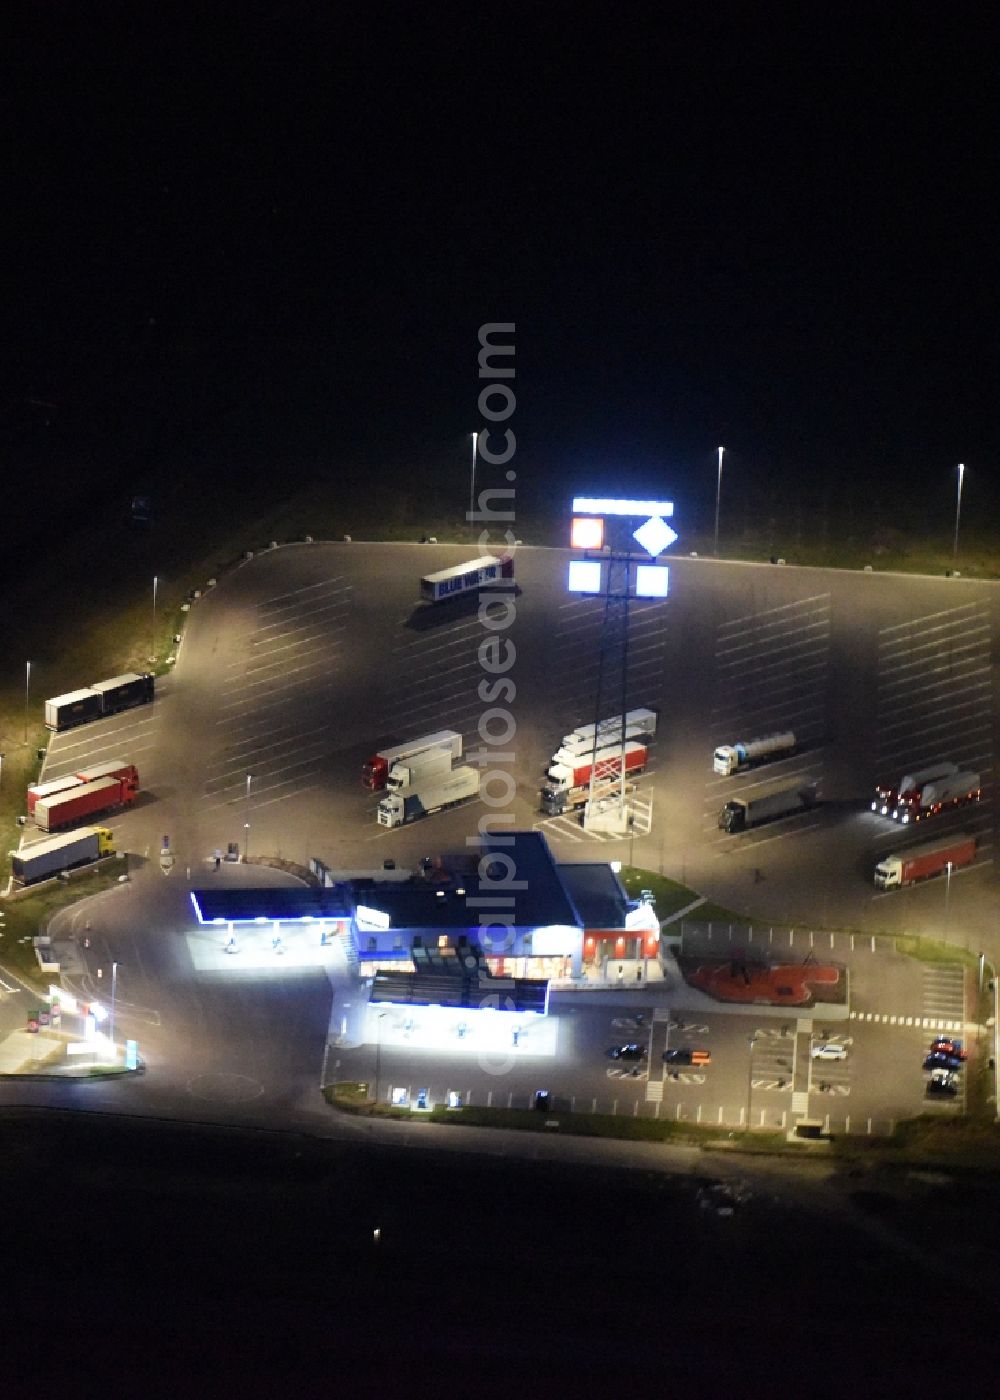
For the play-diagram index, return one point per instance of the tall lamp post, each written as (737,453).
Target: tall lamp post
(718,499)
(958,505)
(246,822)
(472,482)
(378,1051)
(947,900)
(114,989)
(751,1041)
(27,697)
(152,639)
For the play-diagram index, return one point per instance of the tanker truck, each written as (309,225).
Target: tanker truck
(735,758)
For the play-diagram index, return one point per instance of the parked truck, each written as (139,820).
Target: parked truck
(50,789)
(568,784)
(743,813)
(921,862)
(465,578)
(113,768)
(86,800)
(375,770)
(639,724)
(734,758)
(934,797)
(397,808)
(887,798)
(423,767)
(99,699)
(43,859)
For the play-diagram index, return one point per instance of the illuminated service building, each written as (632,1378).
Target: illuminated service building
(510,912)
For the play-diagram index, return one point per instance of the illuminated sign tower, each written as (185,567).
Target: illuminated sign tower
(607,530)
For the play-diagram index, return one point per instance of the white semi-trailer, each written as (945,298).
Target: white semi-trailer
(639,724)
(43,859)
(397,808)
(375,770)
(466,578)
(421,768)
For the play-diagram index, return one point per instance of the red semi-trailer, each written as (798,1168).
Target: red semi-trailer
(921,862)
(86,800)
(114,768)
(40,791)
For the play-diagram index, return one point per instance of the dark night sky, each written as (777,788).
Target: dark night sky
(772,227)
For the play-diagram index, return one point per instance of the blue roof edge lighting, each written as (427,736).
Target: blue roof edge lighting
(600,505)
(197,908)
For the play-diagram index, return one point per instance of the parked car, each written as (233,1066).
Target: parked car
(631,1051)
(686,1056)
(944,1046)
(941,1082)
(829,1050)
(939,1060)
(542,1100)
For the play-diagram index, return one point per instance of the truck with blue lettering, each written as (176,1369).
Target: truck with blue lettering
(465,578)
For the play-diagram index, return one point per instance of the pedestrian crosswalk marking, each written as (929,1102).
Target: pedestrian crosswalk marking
(921,1022)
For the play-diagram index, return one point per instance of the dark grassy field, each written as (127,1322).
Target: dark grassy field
(192,1261)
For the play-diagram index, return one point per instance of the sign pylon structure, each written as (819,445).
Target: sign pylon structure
(607,531)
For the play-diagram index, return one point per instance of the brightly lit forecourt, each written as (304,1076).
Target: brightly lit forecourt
(606,530)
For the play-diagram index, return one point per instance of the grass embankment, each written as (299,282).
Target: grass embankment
(354,1098)
(671,897)
(26,916)
(924,1143)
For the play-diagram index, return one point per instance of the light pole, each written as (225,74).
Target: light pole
(947,899)
(472,483)
(152,648)
(246,823)
(246,842)
(114,988)
(378,1052)
(27,697)
(751,1041)
(958,505)
(718,498)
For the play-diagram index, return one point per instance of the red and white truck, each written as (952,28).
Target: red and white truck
(921,862)
(114,768)
(939,795)
(887,798)
(466,578)
(62,809)
(568,784)
(375,770)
